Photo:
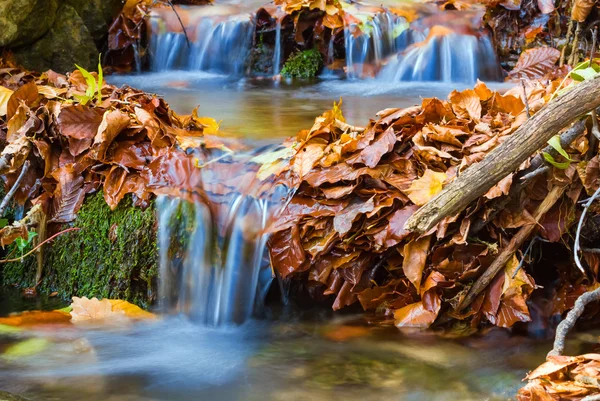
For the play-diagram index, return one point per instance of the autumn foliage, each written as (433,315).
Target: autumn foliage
(343,235)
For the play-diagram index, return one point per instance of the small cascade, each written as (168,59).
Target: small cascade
(214,267)
(277,51)
(219,40)
(377,37)
(445,56)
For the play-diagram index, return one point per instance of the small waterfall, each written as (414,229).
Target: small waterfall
(277,55)
(445,56)
(219,41)
(214,267)
(378,37)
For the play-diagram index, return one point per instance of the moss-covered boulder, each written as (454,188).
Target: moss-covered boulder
(68,42)
(304,64)
(97,16)
(114,255)
(24,21)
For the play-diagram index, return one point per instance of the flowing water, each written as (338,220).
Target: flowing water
(299,356)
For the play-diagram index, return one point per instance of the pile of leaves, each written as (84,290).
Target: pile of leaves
(342,234)
(68,136)
(563,378)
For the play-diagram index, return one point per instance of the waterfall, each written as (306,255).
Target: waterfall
(377,37)
(277,55)
(214,268)
(445,56)
(218,40)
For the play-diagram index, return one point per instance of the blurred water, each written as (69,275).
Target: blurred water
(308,355)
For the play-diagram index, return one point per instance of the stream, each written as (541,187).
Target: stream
(309,355)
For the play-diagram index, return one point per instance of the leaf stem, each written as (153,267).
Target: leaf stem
(40,245)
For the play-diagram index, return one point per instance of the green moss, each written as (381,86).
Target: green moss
(305,64)
(113,255)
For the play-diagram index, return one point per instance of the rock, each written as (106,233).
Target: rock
(68,42)
(24,21)
(97,15)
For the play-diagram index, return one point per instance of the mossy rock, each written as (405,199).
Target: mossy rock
(305,64)
(97,15)
(69,42)
(24,21)
(113,255)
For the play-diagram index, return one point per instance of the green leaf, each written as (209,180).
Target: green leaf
(100,78)
(555,143)
(548,157)
(584,74)
(90,80)
(66,309)
(3,223)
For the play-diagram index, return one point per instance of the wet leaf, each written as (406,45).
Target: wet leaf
(36,318)
(5,94)
(535,63)
(425,188)
(415,258)
(26,348)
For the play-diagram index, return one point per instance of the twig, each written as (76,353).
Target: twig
(591,250)
(569,322)
(14,188)
(522,262)
(525,98)
(39,245)
(577,248)
(575,48)
(595,129)
(515,243)
(568,40)
(594,39)
(180,22)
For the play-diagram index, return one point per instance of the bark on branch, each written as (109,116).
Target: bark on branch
(503,160)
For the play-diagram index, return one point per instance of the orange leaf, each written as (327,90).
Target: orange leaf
(535,63)
(415,257)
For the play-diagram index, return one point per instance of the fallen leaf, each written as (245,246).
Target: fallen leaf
(425,188)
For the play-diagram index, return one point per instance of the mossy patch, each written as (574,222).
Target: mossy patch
(304,64)
(113,255)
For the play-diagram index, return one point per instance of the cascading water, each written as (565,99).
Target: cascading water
(445,56)
(277,55)
(219,40)
(213,263)
(377,37)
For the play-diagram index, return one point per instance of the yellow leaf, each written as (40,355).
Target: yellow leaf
(5,94)
(422,190)
(130,310)
(51,92)
(210,125)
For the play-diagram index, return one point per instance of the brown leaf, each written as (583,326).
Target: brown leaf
(394,232)
(27,93)
(415,257)
(466,104)
(414,315)
(69,194)
(581,9)
(285,250)
(113,122)
(80,122)
(372,154)
(535,63)
(343,221)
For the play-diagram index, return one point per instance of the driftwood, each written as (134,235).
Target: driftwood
(526,140)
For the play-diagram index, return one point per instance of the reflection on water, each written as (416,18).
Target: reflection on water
(291,359)
(271,111)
